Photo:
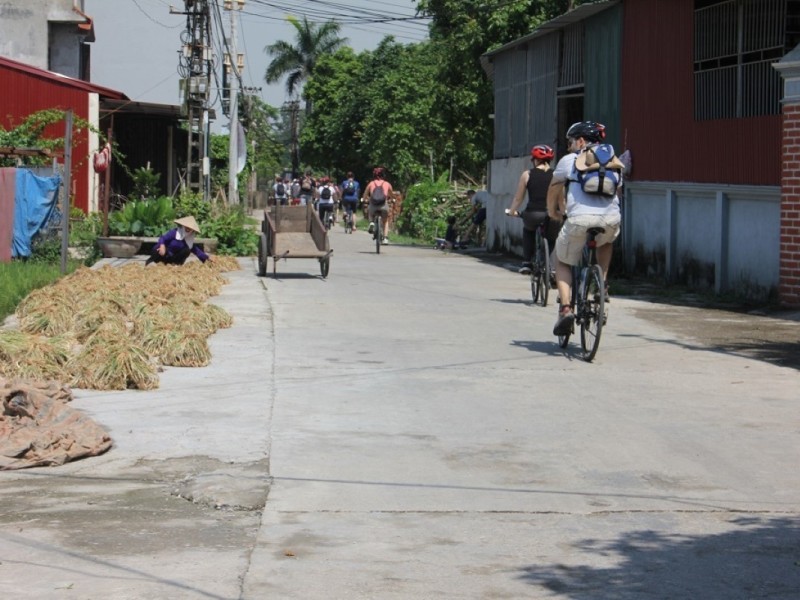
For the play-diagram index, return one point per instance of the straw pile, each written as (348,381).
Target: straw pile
(112,328)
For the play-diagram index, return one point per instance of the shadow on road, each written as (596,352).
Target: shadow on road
(756,559)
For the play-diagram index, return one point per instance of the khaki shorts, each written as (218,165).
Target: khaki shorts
(572,237)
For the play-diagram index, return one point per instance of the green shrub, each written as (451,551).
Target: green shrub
(229,225)
(83,234)
(426,207)
(190,203)
(147,218)
(145,183)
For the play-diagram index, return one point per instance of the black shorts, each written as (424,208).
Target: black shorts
(479,217)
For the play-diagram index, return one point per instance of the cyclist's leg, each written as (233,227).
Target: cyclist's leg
(385,221)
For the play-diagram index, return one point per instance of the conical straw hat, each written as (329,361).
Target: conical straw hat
(189,223)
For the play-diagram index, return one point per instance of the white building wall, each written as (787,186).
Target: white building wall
(24,32)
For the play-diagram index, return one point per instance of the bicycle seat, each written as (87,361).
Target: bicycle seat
(595,230)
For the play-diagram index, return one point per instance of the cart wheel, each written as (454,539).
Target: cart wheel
(262,254)
(324,266)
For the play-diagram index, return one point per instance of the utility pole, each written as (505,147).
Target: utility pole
(234,61)
(195,70)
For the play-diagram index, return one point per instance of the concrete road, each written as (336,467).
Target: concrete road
(420,435)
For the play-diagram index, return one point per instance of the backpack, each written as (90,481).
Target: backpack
(295,189)
(325,194)
(378,195)
(280,190)
(307,184)
(349,188)
(599,171)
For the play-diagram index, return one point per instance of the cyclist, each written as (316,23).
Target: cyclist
(583,211)
(307,188)
(350,193)
(327,199)
(378,193)
(280,191)
(535,182)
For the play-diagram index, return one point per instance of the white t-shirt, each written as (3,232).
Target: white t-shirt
(329,200)
(579,202)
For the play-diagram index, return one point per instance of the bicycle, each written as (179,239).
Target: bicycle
(378,222)
(348,221)
(540,265)
(588,299)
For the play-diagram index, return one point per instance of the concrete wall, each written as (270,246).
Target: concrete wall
(25,35)
(720,237)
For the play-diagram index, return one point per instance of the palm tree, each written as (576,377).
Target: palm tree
(298,60)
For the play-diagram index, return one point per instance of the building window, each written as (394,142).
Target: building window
(735,44)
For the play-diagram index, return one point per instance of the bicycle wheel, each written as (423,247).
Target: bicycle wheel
(544,271)
(378,232)
(591,311)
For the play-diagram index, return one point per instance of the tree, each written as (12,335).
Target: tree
(299,60)
(461,31)
(394,120)
(261,123)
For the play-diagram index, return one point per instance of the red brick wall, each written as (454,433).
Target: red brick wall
(789,284)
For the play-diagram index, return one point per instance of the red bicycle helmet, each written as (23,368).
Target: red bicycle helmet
(542,152)
(588,130)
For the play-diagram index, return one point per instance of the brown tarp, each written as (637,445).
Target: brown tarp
(38,427)
(7,192)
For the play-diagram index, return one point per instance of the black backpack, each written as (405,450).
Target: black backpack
(325,194)
(280,190)
(349,188)
(378,195)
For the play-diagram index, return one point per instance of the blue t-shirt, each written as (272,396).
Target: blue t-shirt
(350,193)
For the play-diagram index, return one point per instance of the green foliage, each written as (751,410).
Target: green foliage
(145,183)
(229,225)
(394,120)
(83,234)
(426,207)
(145,218)
(191,204)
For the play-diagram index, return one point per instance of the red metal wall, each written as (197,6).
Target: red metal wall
(25,93)
(658,125)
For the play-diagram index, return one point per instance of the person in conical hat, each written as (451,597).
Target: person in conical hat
(175,246)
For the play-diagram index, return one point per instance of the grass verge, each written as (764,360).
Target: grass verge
(19,278)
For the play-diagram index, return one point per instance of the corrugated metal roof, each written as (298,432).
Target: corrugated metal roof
(58,78)
(574,16)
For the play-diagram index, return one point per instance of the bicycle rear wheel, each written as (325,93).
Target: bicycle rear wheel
(378,233)
(591,311)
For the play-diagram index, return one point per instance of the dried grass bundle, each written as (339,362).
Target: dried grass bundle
(47,311)
(187,350)
(108,362)
(117,323)
(34,357)
(224,263)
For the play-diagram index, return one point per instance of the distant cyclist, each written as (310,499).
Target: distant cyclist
(280,191)
(535,182)
(378,194)
(307,185)
(326,194)
(351,192)
(584,211)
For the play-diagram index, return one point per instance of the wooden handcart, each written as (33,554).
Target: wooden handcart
(293,232)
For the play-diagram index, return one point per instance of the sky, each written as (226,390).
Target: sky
(137,41)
